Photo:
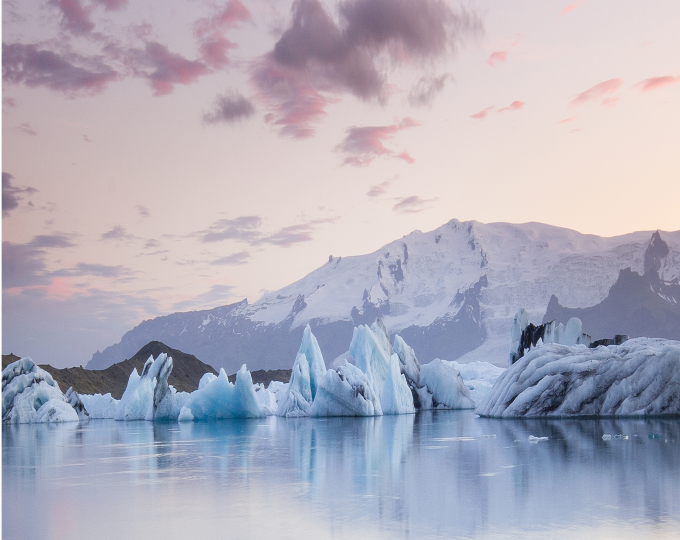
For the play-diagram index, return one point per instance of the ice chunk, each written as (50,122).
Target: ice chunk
(30,394)
(220,399)
(345,392)
(370,357)
(99,406)
(478,376)
(446,385)
(207,377)
(519,324)
(397,397)
(639,377)
(266,399)
(148,396)
(73,399)
(408,362)
(308,370)
(571,334)
(380,331)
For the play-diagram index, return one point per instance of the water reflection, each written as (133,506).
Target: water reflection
(409,476)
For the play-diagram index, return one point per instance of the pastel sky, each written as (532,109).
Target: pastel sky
(186,154)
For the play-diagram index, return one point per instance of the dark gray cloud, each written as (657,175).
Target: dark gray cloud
(69,73)
(426,89)
(229,108)
(11,195)
(217,295)
(24,265)
(243,228)
(235,258)
(317,55)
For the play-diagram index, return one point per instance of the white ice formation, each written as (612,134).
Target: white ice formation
(308,371)
(30,394)
(639,377)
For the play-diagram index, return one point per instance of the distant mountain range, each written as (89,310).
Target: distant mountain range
(450,293)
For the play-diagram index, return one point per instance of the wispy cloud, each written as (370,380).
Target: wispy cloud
(112,5)
(71,74)
(216,296)
(600,92)
(514,106)
(571,7)
(243,228)
(118,232)
(362,145)
(427,88)
(26,128)
(25,265)
(75,18)
(229,108)
(412,205)
(379,189)
(12,195)
(497,57)
(481,115)
(657,82)
(567,120)
(143,211)
(209,31)
(294,234)
(235,258)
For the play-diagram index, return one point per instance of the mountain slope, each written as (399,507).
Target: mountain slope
(451,293)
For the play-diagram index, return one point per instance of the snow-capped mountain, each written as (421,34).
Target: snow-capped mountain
(450,293)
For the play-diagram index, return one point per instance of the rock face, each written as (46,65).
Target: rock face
(637,378)
(449,293)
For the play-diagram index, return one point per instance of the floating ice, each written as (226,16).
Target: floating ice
(446,385)
(479,377)
(370,357)
(308,370)
(30,394)
(220,399)
(639,377)
(397,397)
(148,396)
(73,399)
(345,392)
(99,406)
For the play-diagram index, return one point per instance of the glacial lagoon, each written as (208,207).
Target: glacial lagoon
(434,474)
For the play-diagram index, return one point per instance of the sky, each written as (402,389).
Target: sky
(182,155)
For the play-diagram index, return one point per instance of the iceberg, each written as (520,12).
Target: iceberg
(220,399)
(73,399)
(397,397)
(478,376)
(345,392)
(370,357)
(30,394)
(446,386)
(148,396)
(308,371)
(100,406)
(637,378)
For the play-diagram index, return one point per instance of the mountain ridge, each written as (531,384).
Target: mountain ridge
(450,292)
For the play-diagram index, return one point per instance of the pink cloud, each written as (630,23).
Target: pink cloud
(292,99)
(598,92)
(497,57)
(164,69)
(571,7)
(567,120)
(412,204)
(113,5)
(26,128)
(210,33)
(514,106)
(363,144)
(481,115)
(214,51)
(657,82)
(75,17)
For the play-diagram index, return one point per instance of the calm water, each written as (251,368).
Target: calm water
(431,475)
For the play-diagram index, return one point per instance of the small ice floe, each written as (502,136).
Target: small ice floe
(606,437)
(534,439)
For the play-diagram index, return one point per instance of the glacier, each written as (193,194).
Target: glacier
(636,378)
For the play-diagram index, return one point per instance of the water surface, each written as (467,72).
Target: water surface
(430,475)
